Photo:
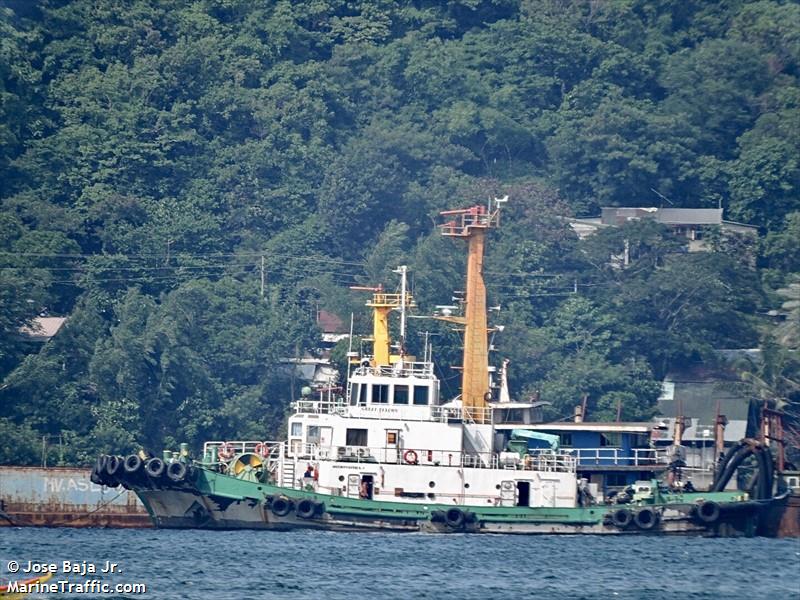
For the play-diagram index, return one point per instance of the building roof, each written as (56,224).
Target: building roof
(602,427)
(689,216)
(701,393)
(42,328)
(612,215)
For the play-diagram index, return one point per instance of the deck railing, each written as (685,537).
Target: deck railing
(552,461)
(634,457)
(439,414)
(419,369)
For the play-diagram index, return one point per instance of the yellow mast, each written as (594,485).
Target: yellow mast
(471,224)
(382,304)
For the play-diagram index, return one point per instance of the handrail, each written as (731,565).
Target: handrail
(411,412)
(269,448)
(553,461)
(633,457)
(419,369)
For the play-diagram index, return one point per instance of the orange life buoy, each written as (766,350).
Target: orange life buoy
(226,451)
(410,457)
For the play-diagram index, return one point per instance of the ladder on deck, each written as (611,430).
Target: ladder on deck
(287,479)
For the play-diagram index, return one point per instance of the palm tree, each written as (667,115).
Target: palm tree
(774,380)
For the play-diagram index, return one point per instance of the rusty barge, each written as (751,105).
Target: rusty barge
(64,497)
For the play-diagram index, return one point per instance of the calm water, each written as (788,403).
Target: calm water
(306,564)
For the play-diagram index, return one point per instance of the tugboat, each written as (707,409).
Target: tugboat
(390,454)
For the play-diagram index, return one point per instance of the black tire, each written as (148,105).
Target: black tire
(155,468)
(281,506)
(454,517)
(437,516)
(94,477)
(113,465)
(470,518)
(646,518)
(708,512)
(306,509)
(621,518)
(177,472)
(100,464)
(132,464)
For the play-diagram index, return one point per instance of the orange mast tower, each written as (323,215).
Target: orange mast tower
(471,224)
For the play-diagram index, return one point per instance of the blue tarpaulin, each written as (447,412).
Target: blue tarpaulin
(540,440)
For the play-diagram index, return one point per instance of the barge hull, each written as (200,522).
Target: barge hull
(65,497)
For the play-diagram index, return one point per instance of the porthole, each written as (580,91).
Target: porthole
(497,487)
(466,485)
(432,484)
(341,477)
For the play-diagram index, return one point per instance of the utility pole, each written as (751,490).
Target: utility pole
(263,277)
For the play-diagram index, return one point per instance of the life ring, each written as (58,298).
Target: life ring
(226,451)
(646,518)
(410,457)
(263,449)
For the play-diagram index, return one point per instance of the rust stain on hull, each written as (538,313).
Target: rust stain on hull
(65,497)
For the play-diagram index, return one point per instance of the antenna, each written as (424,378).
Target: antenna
(662,196)
(403,271)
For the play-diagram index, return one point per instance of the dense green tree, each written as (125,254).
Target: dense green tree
(158,158)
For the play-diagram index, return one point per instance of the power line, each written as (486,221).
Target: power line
(183,256)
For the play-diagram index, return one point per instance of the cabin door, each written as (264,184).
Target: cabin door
(508,493)
(325,437)
(523,493)
(392,440)
(548,491)
(353,485)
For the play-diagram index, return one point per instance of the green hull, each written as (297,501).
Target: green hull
(215,501)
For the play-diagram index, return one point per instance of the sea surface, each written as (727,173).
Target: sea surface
(240,565)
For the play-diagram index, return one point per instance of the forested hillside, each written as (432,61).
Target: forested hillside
(154,152)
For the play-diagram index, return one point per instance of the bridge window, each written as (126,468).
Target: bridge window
(610,439)
(297,429)
(401,394)
(312,434)
(356,437)
(362,395)
(380,394)
(565,440)
(354,389)
(421,395)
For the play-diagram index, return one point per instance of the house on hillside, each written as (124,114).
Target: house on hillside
(42,329)
(690,223)
(316,369)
